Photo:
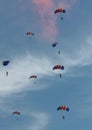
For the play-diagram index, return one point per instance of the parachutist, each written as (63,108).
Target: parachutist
(63,117)
(6,73)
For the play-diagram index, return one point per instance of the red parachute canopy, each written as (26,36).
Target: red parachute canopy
(58,67)
(30,33)
(16,113)
(59,10)
(63,108)
(32,76)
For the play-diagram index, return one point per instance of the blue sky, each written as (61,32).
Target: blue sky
(38,99)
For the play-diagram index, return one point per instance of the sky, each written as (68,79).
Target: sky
(37,99)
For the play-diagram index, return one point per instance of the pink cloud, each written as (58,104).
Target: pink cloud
(45,10)
(43,6)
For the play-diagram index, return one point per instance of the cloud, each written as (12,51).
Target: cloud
(45,11)
(80,57)
(19,69)
(41,121)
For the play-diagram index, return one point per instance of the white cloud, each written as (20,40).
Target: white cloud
(81,57)
(19,70)
(41,121)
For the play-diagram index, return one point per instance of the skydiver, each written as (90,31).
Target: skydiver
(58,52)
(60,75)
(6,73)
(61,18)
(63,117)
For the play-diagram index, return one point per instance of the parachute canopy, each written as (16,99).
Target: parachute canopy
(59,10)
(54,44)
(32,76)
(63,108)
(58,67)
(6,62)
(16,113)
(30,33)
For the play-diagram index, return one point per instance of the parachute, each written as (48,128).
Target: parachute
(16,113)
(54,44)
(63,108)
(6,62)
(32,76)
(30,33)
(59,10)
(58,67)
